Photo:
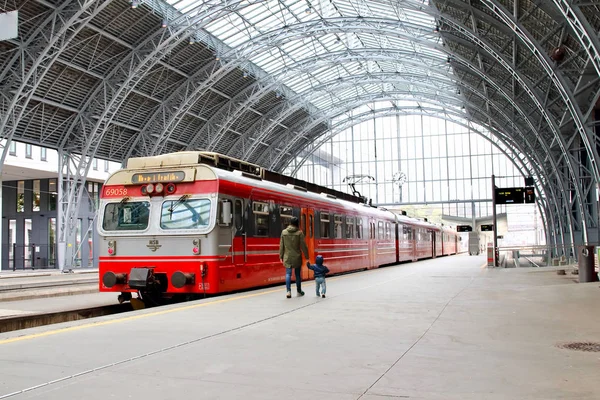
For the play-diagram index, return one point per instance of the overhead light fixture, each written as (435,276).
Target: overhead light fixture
(164,23)
(217,58)
(437,29)
(277,94)
(245,74)
(192,41)
(448,61)
(308,10)
(135,3)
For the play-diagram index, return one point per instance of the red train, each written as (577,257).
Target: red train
(194,223)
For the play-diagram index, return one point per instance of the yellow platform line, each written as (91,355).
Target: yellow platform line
(135,317)
(131,318)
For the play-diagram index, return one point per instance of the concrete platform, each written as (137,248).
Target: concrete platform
(55,304)
(22,285)
(436,329)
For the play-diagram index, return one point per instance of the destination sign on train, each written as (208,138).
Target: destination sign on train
(155,177)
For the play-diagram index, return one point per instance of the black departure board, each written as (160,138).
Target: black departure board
(509,195)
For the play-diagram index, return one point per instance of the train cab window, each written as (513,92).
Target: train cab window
(324,225)
(285,214)
(311,225)
(349,227)
(337,226)
(359,228)
(126,216)
(185,214)
(380,231)
(388,230)
(261,218)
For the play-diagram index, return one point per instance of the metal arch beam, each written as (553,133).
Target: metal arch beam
(356,81)
(223,119)
(581,27)
(86,133)
(482,44)
(482,76)
(265,126)
(553,165)
(570,103)
(240,55)
(586,211)
(56,32)
(291,32)
(543,205)
(301,132)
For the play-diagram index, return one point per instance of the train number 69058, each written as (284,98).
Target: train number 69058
(116,192)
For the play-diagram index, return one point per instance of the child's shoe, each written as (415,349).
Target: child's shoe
(323,296)
(289,295)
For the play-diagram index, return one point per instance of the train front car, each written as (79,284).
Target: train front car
(156,223)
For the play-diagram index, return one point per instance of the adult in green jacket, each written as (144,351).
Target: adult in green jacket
(291,248)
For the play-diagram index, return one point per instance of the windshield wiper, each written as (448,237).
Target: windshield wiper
(181,200)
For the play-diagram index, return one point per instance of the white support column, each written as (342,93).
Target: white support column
(60,218)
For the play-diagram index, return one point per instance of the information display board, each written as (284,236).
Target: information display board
(529,195)
(464,228)
(509,195)
(487,228)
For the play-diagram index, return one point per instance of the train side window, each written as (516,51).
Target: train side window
(285,214)
(238,215)
(337,226)
(349,227)
(324,225)
(311,224)
(380,231)
(303,223)
(388,231)
(261,218)
(359,228)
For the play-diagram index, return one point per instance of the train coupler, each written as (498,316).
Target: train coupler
(123,297)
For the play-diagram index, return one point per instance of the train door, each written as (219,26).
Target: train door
(433,245)
(372,244)
(413,241)
(240,226)
(307,224)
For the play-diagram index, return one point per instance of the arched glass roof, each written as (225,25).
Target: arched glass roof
(302,57)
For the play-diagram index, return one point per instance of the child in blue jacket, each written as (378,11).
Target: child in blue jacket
(320,271)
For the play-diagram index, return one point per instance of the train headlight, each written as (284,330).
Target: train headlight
(112,247)
(150,188)
(144,191)
(171,188)
(196,249)
(158,188)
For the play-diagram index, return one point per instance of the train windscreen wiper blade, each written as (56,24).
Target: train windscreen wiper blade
(181,200)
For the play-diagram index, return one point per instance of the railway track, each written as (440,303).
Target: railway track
(9,323)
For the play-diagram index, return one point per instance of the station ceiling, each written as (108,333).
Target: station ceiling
(265,80)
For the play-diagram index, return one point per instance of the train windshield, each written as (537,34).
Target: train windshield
(185,214)
(126,216)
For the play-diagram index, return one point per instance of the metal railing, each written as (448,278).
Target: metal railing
(32,256)
(537,256)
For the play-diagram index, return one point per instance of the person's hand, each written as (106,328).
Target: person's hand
(308,263)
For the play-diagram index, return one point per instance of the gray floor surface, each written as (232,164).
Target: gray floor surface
(437,329)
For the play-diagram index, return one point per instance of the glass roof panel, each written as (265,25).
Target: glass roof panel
(272,35)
